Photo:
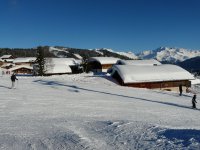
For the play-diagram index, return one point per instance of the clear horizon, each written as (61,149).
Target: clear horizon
(128,25)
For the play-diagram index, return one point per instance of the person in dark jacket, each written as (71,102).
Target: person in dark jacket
(194,101)
(13,78)
(180,89)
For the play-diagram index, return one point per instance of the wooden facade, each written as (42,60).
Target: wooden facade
(25,63)
(97,67)
(162,85)
(23,71)
(1,63)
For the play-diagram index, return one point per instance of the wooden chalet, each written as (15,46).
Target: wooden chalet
(5,57)
(163,77)
(100,64)
(1,62)
(22,70)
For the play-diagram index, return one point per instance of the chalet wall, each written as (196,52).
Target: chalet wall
(107,66)
(23,71)
(164,85)
(25,63)
(97,67)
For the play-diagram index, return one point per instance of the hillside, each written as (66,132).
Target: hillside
(92,112)
(18,52)
(162,54)
(85,53)
(191,65)
(58,51)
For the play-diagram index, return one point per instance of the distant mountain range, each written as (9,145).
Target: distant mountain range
(188,59)
(162,54)
(169,55)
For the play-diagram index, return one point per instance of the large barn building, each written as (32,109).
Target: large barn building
(163,77)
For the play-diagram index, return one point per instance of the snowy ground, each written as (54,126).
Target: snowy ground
(92,112)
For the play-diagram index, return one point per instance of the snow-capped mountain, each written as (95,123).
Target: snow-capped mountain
(126,54)
(162,54)
(86,53)
(172,55)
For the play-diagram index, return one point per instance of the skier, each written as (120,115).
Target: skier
(194,101)
(180,89)
(13,78)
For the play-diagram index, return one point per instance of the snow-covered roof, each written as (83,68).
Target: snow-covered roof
(139,62)
(78,56)
(5,56)
(24,60)
(8,60)
(57,68)
(104,60)
(1,60)
(136,74)
(65,61)
(6,65)
(20,66)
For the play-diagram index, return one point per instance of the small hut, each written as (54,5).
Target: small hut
(100,64)
(22,70)
(5,57)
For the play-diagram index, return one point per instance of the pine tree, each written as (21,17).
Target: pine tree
(40,61)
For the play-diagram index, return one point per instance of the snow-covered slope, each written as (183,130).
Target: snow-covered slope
(169,54)
(90,112)
(130,54)
(96,52)
(56,51)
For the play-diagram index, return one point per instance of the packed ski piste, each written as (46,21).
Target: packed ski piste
(86,111)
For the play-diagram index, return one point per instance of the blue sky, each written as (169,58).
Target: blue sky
(118,24)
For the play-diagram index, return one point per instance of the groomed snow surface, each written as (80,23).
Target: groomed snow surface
(85,111)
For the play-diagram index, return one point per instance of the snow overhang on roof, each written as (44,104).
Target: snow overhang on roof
(57,68)
(5,56)
(24,60)
(64,61)
(148,62)
(139,74)
(104,60)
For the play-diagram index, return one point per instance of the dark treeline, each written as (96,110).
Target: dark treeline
(18,52)
(24,52)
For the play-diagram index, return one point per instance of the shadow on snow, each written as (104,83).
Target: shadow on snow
(76,88)
(185,136)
